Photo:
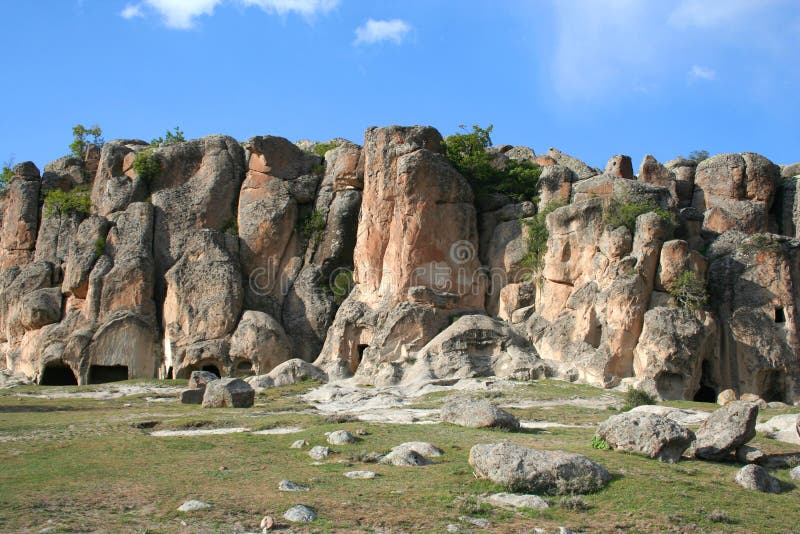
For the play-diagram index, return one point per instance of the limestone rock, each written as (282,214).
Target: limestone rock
(341,437)
(362,475)
(228,393)
(620,166)
(288,485)
(192,396)
(260,341)
(784,427)
(200,379)
(193,505)
(475,413)
(289,372)
(513,501)
(537,471)
(646,434)
(319,452)
(420,447)
(300,514)
(581,169)
(755,477)
(727,429)
(405,458)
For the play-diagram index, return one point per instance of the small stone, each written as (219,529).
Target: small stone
(795,473)
(405,458)
(288,485)
(452,528)
(300,514)
(192,395)
(361,474)
(755,477)
(319,452)
(200,379)
(341,437)
(726,396)
(193,505)
(512,500)
(479,522)
(421,447)
(267,522)
(749,455)
(223,468)
(299,444)
(361,432)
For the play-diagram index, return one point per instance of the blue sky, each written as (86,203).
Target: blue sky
(591,77)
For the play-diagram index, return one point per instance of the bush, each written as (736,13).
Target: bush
(624,211)
(600,444)
(170,138)
(574,503)
(147,166)
(7,174)
(698,155)
(537,237)
(59,202)
(313,226)
(341,284)
(636,397)
(320,149)
(99,246)
(689,291)
(467,153)
(80,136)
(232,228)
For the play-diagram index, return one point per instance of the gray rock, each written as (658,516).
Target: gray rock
(228,393)
(749,455)
(288,373)
(341,437)
(308,311)
(475,413)
(536,471)
(513,500)
(319,452)
(755,477)
(727,429)
(192,396)
(405,458)
(200,379)
(260,340)
(193,505)
(300,514)
(299,444)
(784,427)
(361,474)
(288,485)
(421,447)
(650,435)
(794,474)
(581,169)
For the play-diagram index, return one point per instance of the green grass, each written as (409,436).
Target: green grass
(86,464)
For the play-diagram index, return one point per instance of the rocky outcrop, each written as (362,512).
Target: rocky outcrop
(20,216)
(476,413)
(727,429)
(650,435)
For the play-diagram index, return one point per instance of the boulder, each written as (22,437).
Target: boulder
(319,452)
(200,379)
(514,501)
(228,393)
(750,455)
(727,429)
(620,166)
(193,505)
(521,469)
(581,169)
(288,485)
(476,413)
(341,437)
(650,435)
(360,474)
(192,396)
(405,458)
(300,514)
(784,427)
(726,396)
(259,340)
(755,477)
(288,373)
(420,447)
(794,474)
(652,172)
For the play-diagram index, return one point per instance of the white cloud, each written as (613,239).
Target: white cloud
(375,31)
(702,73)
(132,11)
(301,7)
(714,13)
(180,14)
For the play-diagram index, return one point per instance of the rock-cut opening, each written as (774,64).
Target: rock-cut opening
(101,374)
(771,384)
(780,316)
(244,368)
(357,357)
(212,369)
(707,391)
(57,374)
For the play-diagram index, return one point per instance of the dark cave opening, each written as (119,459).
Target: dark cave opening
(707,391)
(57,374)
(101,374)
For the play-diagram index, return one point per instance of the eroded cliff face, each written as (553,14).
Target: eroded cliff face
(379,263)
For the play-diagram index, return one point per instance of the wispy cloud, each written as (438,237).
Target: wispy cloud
(182,14)
(711,13)
(376,31)
(702,73)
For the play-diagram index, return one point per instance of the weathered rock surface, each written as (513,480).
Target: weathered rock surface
(228,393)
(755,477)
(646,434)
(476,413)
(341,437)
(287,373)
(728,428)
(536,471)
(513,501)
(300,514)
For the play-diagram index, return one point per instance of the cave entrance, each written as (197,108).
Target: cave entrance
(212,369)
(708,390)
(780,316)
(170,374)
(244,368)
(57,374)
(101,374)
(771,383)
(357,357)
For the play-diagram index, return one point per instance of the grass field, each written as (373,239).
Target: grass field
(91,465)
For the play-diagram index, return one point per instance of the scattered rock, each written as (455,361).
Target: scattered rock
(319,452)
(749,455)
(651,435)
(475,413)
(228,393)
(200,379)
(299,444)
(341,437)
(361,474)
(782,427)
(479,522)
(752,397)
(193,506)
(405,458)
(300,514)
(795,473)
(537,471)
(192,396)
(727,429)
(288,485)
(680,416)
(267,523)
(726,396)
(755,477)
(513,500)
(420,447)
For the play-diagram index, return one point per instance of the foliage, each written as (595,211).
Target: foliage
(537,236)
(321,149)
(147,165)
(232,228)
(313,226)
(636,397)
(341,284)
(80,141)
(170,138)
(318,169)
(60,202)
(7,173)
(575,503)
(761,243)
(689,291)
(698,155)
(599,443)
(99,246)
(467,153)
(624,211)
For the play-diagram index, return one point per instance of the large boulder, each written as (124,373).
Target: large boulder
(86,246)
(476,413)
(650,435)
(581,169)
(228,393)
(755,477)
(727,429)
(288,373)
(521,469)
(116,184)
(259,343)
(20,221)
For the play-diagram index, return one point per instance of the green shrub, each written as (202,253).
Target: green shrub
(600,444)
(636,397)
(232,228)
(698,155)
(60,202)
(170,138)
(624,211)
(574,503)
(536,245)
(318,169)
(689,291)
(320,149)
(99,246)
(467,153)
(6,175)
(761,243)
(147,166)
(341,285)
(80,136)
(313,226)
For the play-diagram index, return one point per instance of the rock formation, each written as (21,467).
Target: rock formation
(381,263)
